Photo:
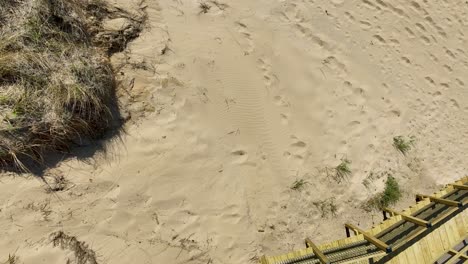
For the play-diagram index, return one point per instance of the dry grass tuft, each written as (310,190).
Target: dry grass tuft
(298,184)
(327,207)
(83,254)
(342,170)
(204,7)
(56,84)
(12,259)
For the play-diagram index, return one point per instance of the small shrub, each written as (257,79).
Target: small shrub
(298,184)
(390,196)
(402,144)
(392,192)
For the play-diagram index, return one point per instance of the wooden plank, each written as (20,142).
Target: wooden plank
(427,254)
(440,200)
(437,243)
(364,259)
(444,215)
(319,254)
(452,238)
(410,237)
(418,253)
(404,257)
(465,219)
(456,256)
(372,239)
(444,238)
(460,186)
(409,218)
(460,227)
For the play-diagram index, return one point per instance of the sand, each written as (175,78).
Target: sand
(228,108)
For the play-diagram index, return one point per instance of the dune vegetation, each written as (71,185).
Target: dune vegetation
(56,84)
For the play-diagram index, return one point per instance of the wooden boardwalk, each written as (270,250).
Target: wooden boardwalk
(456,254)
(426,242)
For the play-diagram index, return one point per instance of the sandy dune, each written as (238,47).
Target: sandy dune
(231,106)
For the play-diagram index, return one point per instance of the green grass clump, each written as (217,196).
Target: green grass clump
(56,84)
(343,170)
(390,196)
(298,184)
(402,144)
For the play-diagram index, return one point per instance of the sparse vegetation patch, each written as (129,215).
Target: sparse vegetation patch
(83,254)
(327,207)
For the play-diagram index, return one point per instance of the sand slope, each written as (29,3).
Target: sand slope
(230,107)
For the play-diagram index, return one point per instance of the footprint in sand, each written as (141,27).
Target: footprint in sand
(268,77)
(369,4)
(336,66)
(337,2)
(284,119)
(240,156)
(350,17)
(448,68)
(410,32)
(294,14)
(380,39)
(248,44)
(450,53)
(460,82)
(281,101)
(406,60)
(365,25)
(454,103)
(445,85)
(231,214)
(430,80)
(297,150)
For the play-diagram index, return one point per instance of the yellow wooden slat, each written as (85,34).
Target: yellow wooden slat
(372,239)
(409,218)
(460,186)
(317,252)
(418,258)
(440,200)
(456,257)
